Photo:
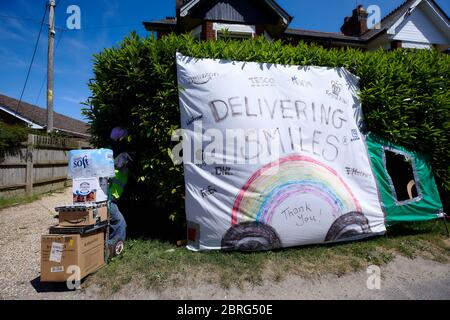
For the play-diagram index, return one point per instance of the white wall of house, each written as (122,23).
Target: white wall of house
(419,28)
(422,28)
(415,45)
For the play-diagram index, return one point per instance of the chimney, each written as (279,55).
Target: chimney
(356,25)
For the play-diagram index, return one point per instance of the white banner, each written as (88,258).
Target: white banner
(273,156)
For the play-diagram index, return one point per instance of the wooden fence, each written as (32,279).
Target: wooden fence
(38,167)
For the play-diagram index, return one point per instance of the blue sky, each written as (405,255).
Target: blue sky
(103,24)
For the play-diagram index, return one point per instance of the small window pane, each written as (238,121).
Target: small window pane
(400,170)
(225,34)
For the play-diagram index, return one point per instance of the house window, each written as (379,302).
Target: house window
(401,168)
(234,31)
(232,35)
(196,33)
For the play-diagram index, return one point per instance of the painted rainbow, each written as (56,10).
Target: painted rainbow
(289,176)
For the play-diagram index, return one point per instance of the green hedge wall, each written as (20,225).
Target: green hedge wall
(405,96)
(11,138)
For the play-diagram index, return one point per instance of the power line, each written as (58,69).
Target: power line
(57,44)
(100,27)
(19,18)
(65,29)
(32,59)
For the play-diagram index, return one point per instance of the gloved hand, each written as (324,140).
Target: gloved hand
(122,160)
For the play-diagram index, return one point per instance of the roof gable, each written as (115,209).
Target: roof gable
(394,19)
(435,25)
(234,10)
(421,26)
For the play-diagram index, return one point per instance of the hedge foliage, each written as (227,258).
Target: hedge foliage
(405,97)
(11,138)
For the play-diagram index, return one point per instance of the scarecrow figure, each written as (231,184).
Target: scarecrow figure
(117,184)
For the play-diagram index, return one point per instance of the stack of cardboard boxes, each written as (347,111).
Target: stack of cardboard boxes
(76,245)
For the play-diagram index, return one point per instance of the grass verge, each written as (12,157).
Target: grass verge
(11,202)
(14,201)
(157,264)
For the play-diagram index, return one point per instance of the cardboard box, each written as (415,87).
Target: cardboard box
(81,215)
(89,190)
(59,252)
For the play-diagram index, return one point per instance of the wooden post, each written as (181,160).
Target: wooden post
(50,63)
(29,173)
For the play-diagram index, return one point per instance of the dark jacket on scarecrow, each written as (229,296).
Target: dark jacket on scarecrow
(116,188)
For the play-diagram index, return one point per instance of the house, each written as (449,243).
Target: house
(36,118)
(414,24)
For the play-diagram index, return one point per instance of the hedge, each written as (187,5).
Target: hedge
(405,97)
(11,138)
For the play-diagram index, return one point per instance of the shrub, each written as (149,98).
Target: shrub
(11,138)
(405,96)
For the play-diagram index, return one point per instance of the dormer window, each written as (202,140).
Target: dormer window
(234,31)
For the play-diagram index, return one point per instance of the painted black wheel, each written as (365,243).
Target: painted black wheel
(116,249)
(349,225)
(119,247)
(250,236)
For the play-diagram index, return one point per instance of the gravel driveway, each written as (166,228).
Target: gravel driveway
(21,228)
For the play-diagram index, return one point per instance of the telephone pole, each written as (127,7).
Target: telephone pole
(50,62)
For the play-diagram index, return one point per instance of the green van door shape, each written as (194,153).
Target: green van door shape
(405,182)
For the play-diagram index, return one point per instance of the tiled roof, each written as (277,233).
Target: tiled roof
(319,34)
(163,24)
(166,21)
(389,19)
(38,115)
(385,24)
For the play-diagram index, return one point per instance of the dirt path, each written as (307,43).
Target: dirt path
(22,226)
(401,279)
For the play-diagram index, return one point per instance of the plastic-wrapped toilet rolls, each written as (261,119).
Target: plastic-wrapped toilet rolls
(90,163)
